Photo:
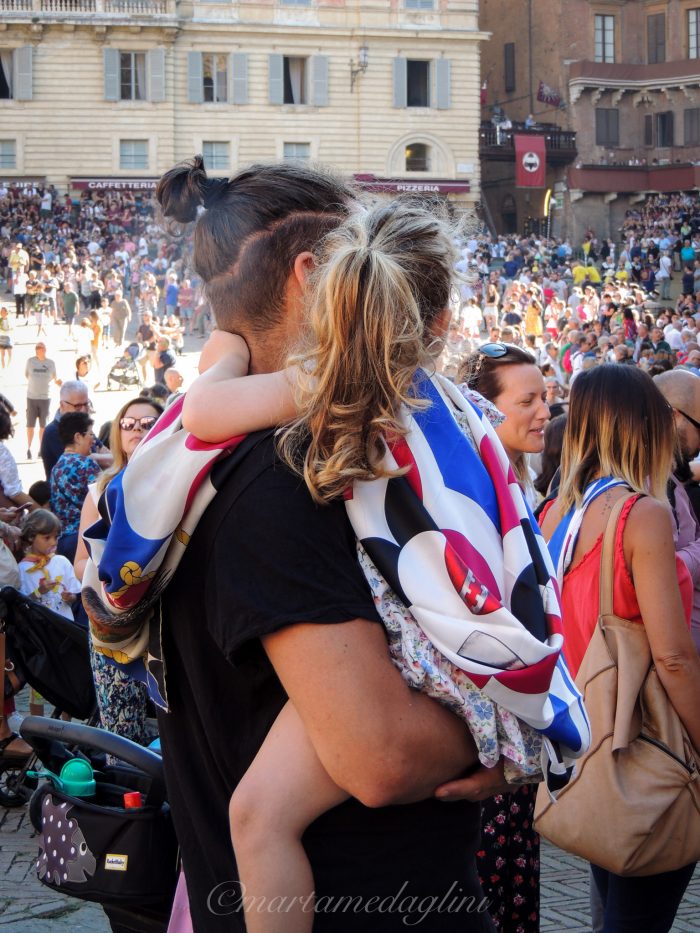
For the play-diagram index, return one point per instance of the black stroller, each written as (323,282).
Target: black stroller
(106,847)
(51,654)
(125,371)
(121,850)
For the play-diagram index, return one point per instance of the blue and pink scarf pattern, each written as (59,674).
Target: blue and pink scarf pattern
(453,537)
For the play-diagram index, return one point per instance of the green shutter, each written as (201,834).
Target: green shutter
(400,92)
(276,79)
(238,66)
(155,66)
(442,83)
(111,68)
(195,78)
(319,77)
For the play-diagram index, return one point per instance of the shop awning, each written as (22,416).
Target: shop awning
(23,181)
(412,185)
(114,184)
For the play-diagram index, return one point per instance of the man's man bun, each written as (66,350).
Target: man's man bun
(180,192)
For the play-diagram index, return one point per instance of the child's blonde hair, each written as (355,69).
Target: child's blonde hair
(383,281)
(38,522)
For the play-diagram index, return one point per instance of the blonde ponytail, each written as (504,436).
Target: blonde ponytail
(383,280)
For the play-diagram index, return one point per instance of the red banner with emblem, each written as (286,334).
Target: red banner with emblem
(530,161)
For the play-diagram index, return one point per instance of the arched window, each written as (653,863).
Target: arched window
(417,157)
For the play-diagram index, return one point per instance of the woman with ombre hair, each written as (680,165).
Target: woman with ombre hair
(620,439)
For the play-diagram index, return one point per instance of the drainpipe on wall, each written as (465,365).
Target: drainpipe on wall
(529,53)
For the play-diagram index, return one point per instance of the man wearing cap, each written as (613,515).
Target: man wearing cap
(681,389)
(39,372)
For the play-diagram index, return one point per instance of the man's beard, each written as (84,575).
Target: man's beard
(683,459)
(681,468)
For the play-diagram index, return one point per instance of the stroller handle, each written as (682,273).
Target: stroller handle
(75,733)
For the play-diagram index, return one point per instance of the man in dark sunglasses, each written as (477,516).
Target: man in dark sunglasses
(74,397)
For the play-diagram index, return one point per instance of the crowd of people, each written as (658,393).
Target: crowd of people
(94,263)
(309,733)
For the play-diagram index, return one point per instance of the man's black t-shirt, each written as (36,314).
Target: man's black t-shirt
(264,556)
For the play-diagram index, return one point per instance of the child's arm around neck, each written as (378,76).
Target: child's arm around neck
(225,401)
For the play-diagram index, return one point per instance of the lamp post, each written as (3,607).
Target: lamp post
(360,67)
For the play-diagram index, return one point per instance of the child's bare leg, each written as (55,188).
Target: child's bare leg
(285,789)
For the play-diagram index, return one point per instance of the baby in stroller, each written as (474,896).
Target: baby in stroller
(125,371)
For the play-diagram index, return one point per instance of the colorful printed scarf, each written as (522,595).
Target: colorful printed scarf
(453,537)
(39,563)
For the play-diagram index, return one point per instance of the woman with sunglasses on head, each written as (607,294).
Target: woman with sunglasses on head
(509,377)
(122,701)
(508,861)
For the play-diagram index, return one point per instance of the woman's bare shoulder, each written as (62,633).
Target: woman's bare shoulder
(551,520)
(648,516)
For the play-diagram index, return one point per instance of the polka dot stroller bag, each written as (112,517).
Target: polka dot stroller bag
(94,847)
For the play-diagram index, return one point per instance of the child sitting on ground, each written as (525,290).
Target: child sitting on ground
(368,298)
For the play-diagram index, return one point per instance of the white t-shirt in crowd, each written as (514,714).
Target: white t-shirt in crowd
(60,570)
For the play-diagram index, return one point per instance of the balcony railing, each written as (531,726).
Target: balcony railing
(634,179)
(87,7)
(497,144)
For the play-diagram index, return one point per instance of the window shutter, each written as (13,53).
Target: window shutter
(319,78)
(656,38)
(607,126)
(400,92)
(670,130)
(22,77)
(276,79)
(195,86)
(648,129)
(614,127)
(509,66)
(155,64)
(442,83)
(238,67)
(111,66)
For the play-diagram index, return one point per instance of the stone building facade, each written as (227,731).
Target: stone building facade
(622,75)
(119,90)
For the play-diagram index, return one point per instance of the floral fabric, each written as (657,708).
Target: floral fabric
(69,482)
(509,861)
(496,731)
(122,701)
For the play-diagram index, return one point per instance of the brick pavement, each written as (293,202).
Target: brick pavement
(27,907)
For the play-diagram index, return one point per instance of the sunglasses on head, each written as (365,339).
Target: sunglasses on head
(494,350)
(131,424)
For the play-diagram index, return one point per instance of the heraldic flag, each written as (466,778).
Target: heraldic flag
(530,161)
